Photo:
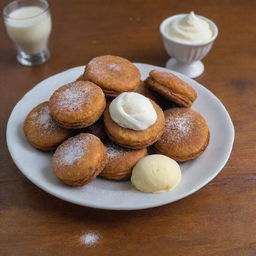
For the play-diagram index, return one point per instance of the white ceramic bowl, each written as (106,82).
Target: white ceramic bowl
(186,56)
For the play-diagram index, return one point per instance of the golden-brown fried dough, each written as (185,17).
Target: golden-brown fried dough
(113,74)
(121,161)
(171,87)
(186,135)
(135,139)
(147,92)
(41,131)
(77,105)
(79,159)
(97,129)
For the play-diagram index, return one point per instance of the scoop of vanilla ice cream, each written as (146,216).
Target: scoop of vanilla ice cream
(156,173)
(132,110)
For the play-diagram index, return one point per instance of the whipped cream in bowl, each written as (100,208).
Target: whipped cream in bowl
(187,38)
(189,29)
(133,111)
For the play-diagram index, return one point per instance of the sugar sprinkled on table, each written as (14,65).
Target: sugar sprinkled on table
(89,239)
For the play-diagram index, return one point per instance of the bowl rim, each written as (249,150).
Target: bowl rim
(166,21)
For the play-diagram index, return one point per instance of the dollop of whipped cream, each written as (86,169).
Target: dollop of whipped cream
(189,29)
(132,110)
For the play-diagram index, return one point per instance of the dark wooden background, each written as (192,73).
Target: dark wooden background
(220,219)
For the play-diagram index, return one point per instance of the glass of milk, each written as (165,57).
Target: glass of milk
(28,23)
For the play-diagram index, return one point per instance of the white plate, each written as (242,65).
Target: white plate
(100,193)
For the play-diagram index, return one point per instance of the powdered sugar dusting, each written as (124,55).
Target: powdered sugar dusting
(114,150)
(97,66)
(74,97)
(182,124)
(101,68)
(72,150)
(44,120)
(89,239)
(114,66)
(178,127)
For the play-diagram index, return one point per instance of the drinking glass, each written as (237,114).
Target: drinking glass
(28,23)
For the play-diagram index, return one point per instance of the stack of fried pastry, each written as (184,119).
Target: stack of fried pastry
(103,123)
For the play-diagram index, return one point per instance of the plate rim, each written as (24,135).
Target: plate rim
(221,165)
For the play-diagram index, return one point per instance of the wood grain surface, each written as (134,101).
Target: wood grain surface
(220,219)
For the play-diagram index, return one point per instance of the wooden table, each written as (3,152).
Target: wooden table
(220,219)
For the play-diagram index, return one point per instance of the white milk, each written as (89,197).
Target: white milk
(29,29)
